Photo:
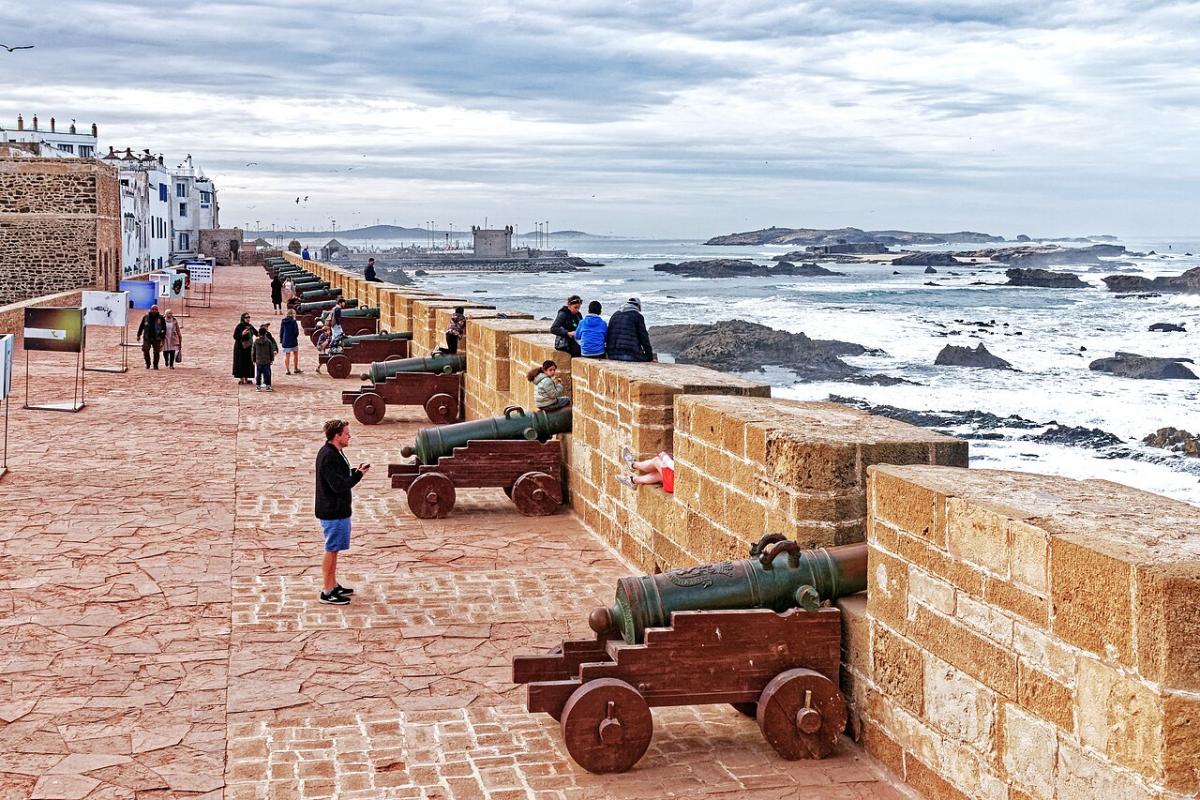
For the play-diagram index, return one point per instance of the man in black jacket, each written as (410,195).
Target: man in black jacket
(335,479)
(628,339)
(152,332)
(564,326)
(369,272)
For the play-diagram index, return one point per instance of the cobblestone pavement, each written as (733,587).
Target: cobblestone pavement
(160,634)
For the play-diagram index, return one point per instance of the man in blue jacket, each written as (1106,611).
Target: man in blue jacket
(592,331)
(628,339)
(335,480)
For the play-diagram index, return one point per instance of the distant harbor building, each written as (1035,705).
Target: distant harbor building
(194,208)
(493,243)
(145,210)
(334,249)
(69,142)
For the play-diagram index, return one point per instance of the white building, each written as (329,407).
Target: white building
(69,142)
(145,211)
(193,208)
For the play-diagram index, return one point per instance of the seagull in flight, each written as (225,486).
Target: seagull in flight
(251,163)
(20,47)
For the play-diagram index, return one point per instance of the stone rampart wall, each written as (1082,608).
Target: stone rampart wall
(1022,637)
(59,227)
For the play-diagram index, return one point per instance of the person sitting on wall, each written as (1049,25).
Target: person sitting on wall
(369,272)
(659,469)
(591,332)
(627,338)
(304,254)
(547,389)
(564,326)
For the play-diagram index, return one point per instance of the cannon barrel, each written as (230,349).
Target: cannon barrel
(433,443)
(380,371)
(309,284)
(314,306)
(324,294)
(361,311)
(802,578)
(346,341)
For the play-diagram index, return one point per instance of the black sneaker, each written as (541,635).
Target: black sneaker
(342,590)
(334,598)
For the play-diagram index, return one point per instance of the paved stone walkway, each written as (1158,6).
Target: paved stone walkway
(160,634)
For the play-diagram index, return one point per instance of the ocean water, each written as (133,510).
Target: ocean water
(1042,332)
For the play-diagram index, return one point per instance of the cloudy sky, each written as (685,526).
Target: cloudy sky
(646,117)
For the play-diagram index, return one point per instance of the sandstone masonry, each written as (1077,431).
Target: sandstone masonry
(59,227)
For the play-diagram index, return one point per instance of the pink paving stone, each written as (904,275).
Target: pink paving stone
(162,635)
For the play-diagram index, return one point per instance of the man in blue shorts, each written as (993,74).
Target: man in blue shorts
(335,480)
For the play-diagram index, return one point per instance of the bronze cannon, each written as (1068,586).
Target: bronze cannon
(434,383)
(752,633)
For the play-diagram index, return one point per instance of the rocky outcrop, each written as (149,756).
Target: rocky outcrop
(1176,440)
(979,357)
(740,346)
(927,259)
(1131,365)
(1076,436)
(1048,255)
(1187,283)
(735,268)
(928,271)
(836,236)
(1167,327)
(1044,278)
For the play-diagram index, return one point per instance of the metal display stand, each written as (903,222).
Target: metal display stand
(4,451)
(76,398)
(201,299)
(124,345)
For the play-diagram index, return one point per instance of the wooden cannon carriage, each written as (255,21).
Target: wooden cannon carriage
(435,383)
(364,350)
(351,326)
(529,472)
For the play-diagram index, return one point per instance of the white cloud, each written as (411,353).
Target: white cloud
(668,117)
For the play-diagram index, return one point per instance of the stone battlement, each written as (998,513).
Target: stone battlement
(1023,636)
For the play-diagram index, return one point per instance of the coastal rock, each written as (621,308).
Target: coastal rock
(926,259)
(735,268)
(928,271)
(1076,436)
(1187,283)
(1167,327)
(818,254)
(740,346)
(837,236)
(1132,365)
(1044,278)
(1176,440)
(979,357)
(1048,255)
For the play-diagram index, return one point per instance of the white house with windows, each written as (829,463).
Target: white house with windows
(193,208)
(69,142)
(145,210)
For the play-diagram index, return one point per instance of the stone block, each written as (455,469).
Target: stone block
(897,667)
(986,619)
(1004,595)
(1046,653)
(961,576)
(1119,716)
(1081,776)
(856,634)
(1030,552)
(1181,743)
(1041,694)
(932,592)
(1167,605)
(884,748)
(982,659)
(977,535)
(908,506)
(887,589)
(811,466)
(957,705)
(927,781)
(1090,591)
(1030,753)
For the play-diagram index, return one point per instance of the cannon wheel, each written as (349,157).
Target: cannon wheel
(394,357)
(801,713)
(431,496)
(606,726)
(537,494)
(369,408)
(315,335)
(338,366)
(441,408)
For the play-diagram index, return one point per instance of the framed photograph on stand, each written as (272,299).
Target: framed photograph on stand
(8,344)
(56,330)
(108,310)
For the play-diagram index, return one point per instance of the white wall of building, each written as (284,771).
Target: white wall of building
(145,211)
(193,208)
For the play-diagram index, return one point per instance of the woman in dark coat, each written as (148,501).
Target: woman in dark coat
(277,294)
(243,339)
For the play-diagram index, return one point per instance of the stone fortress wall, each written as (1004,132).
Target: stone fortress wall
(59,227)
(1023,636)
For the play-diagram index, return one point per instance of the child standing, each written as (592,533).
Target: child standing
(264,350)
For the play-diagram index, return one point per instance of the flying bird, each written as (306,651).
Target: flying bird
(21,47)
(297,201)
(251,163)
